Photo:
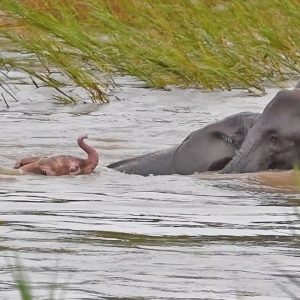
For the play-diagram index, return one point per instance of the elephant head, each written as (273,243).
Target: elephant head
(274,140)
(61,164)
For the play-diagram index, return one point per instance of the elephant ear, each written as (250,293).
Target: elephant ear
(74,169)
(210,148)
(204,150)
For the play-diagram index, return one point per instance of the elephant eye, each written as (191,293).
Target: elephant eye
(274,139)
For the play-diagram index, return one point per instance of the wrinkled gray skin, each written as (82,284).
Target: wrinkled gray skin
(274,140)
(206,149)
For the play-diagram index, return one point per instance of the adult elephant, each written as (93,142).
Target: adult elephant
(206,149)
(274,140)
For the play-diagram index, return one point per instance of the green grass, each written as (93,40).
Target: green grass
(23,284)
(203,44)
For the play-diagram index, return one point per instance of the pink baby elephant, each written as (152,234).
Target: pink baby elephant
(61,164)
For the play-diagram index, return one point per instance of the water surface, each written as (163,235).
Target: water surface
(116,236)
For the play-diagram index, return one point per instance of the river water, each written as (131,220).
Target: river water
(115,236)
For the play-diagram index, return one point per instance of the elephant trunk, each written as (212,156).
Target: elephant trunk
(155,163)
(93,157)
(251,157)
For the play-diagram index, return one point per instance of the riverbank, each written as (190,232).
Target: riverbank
(215,45)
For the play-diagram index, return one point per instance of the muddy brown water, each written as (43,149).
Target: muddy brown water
(115,236)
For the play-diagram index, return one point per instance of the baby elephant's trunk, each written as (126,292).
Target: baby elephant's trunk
(93,157)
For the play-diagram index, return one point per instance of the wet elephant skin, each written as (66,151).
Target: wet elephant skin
(206,149)
(58,165)
(274,140)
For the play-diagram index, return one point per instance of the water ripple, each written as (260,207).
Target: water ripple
(116,236)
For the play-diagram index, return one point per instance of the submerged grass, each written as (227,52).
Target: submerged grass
(202,43)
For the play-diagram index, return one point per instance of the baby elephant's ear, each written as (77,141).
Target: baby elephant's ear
(74,170)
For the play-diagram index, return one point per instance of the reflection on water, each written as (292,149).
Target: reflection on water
(117,236)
